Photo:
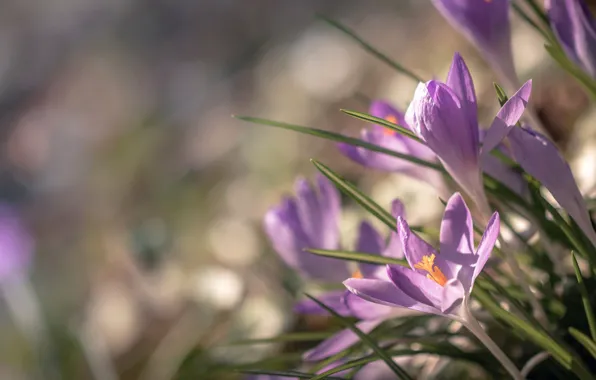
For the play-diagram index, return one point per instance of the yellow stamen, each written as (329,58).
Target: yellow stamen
(357,274)
(434,273)
(391,119)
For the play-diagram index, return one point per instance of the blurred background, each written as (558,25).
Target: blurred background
(145,197)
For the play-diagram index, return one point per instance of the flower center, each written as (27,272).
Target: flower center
(357,274)
(391,119)
(434,273)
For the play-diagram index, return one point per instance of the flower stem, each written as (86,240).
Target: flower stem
(472,324)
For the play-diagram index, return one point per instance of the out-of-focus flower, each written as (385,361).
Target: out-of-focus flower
(486,24)
(371,315)
(16,245)
(381,136)
(437,283)
(308,220)
(539,157)
(444,116)
(575,29)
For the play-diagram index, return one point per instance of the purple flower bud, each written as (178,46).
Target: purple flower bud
(16,245)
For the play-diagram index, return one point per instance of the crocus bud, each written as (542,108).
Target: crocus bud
(16,245)
(486,24)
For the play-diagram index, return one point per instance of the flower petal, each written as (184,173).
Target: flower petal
(540,158)
(457,230)
(460,81)
(363,309)
(413,246)
(486,245)
(416,285)
(369,241)
(385,293)
(340,341)
(333,299)
(453,295)
(506,118)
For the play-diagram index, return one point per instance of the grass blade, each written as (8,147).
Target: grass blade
(328,135)
(359,257)
(585,341)
(377,120)
(527,330)
(367,340)
(585,297)
(369,48)
(351,191)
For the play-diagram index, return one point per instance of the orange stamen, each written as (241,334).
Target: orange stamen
(391,119)
(434,273)
(357,274)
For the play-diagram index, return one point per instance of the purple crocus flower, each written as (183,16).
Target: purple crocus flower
(386,138)
(575,29)
(437,283)
(540,158)
(16,245)
(371,315)
(444,116)
(308,220)
(486,24)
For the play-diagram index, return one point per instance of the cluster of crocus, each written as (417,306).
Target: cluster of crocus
(442,129)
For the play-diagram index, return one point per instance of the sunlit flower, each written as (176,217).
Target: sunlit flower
(16,245)
(436,282)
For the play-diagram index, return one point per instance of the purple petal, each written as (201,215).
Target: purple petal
(486,24)
(330,201)
(487,243)
(540,158)
(453,294)
(506,118)
(16,244)
(413,246)
(393,248)
(385,293)
(457,230)
(500,171)
(460,81)
(436,116)
(369,241)
(333,299)
(340,341)
(283,226)
(416,285)
(363,309)
(574,27)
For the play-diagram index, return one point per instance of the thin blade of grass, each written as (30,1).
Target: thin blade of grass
(358,256)
(369,48)
(328,135)
(585,341)
(585,297)
(291,337)
(377,120)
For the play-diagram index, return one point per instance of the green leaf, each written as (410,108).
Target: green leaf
(359,256)
(387,124)
(585,341)
(527,330)
(369,48)
(501,94)
(367,340)
(351,190)
(585,297)
(295,374)
(340,138)
(291,337)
